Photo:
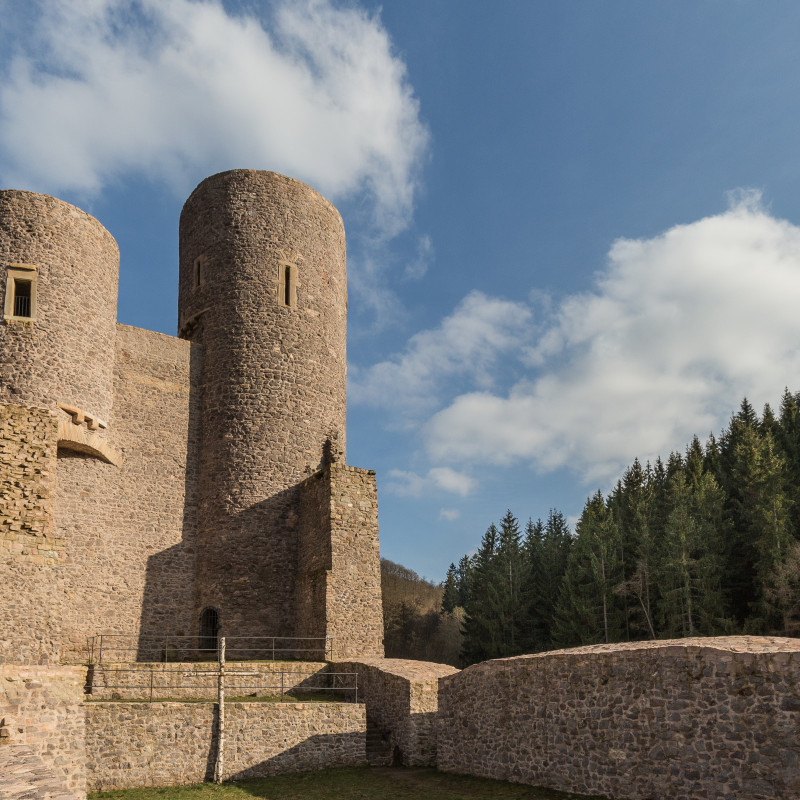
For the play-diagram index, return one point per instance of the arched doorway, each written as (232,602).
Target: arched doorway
(209,627)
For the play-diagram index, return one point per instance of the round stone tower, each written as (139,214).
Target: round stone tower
(263,289)
(59,270)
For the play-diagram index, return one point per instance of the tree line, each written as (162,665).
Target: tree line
(705,544)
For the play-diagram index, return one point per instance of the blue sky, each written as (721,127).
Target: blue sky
(572,226)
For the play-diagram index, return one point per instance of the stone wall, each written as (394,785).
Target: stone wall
(130,527)
(402,702)
(353,607)
(702,719)
(166,744)
(32,553)
(339,583)
(42,720)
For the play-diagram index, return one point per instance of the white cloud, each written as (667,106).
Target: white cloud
(410,484)
(178,89)
(449,514)
(466,345)
(677,329)
(417,268)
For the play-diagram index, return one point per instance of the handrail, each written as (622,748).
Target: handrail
(113,647)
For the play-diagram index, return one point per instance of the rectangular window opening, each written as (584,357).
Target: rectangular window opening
(22,298)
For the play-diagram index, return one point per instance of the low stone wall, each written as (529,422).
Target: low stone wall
(42,730)
(198,681)
(167,744)
(402,700)
(694,718)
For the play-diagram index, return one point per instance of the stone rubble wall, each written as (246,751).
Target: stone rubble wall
(130,528)
(339,582)
(401,697)
(693,719)
(32,553)
(166,744)
(42,730)
(353,607)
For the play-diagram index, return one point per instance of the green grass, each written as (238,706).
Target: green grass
(367,783)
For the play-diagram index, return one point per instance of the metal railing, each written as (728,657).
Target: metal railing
(22,305)
(158,685)
(109,648)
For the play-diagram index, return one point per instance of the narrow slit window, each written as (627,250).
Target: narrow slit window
(22,298)
(287,284)
(199,265)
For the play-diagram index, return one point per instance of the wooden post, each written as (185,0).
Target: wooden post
(218,769)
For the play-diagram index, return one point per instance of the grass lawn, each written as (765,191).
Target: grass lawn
(367,783)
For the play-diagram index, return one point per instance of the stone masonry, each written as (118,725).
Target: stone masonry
(166,744)
(402,703)
(42,732)
(147,479)
(692,719)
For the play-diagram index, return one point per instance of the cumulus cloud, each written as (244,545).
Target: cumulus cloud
(449,514)
(465,346)
(676,330)
(177,89)
(410,484)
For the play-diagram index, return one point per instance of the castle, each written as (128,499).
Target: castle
(194,486)
(182,489)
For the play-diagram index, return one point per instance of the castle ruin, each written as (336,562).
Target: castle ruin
(181,486)
(193,487)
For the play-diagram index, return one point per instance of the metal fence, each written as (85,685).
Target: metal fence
(107,648)
(158,685)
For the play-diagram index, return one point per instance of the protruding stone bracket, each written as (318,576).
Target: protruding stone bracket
(75,437)
(79,417)
(189,325)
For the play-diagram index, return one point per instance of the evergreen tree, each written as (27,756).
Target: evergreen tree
(763,536)
(481,633)
(546,551)
(588,610)
(450,590)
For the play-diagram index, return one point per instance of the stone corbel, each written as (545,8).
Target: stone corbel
(79,417)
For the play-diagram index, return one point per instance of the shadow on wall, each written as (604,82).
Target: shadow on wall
(323,750)
(168,602)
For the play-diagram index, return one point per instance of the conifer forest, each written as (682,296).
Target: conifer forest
(706,544)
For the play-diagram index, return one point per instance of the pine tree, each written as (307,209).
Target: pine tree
(481,633)
(547,551)
(763,529)
(450,590)
(588,610)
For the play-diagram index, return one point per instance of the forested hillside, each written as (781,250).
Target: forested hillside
(705,544)
(413,621)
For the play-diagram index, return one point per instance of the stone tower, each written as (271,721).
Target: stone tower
(59,270)
(67,266)
(263,289)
